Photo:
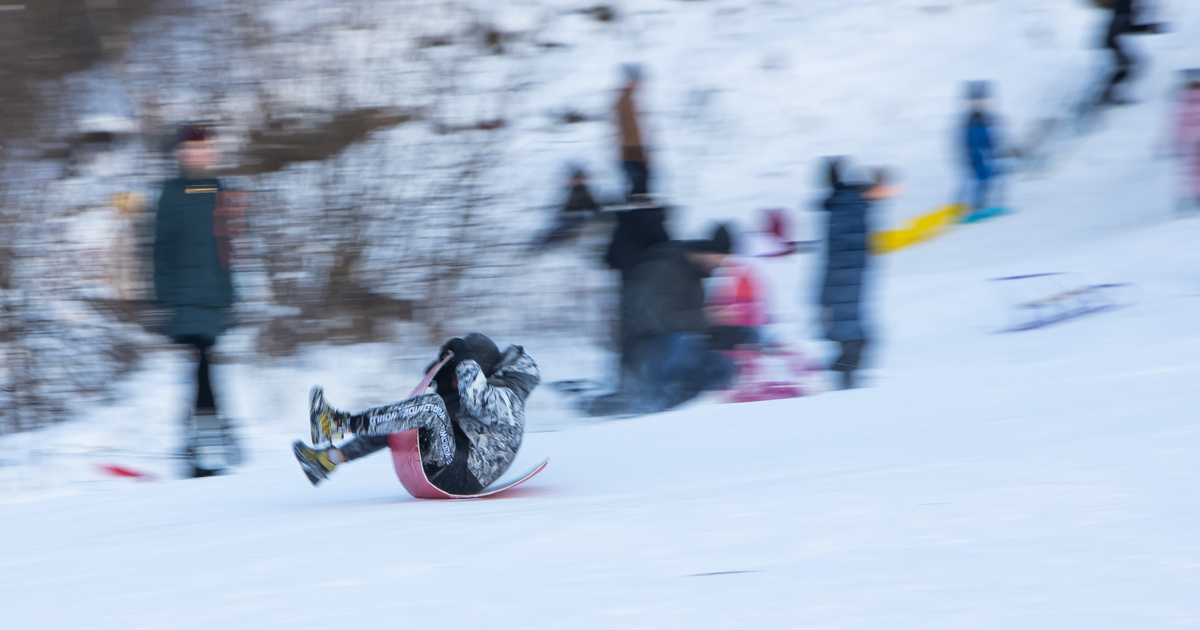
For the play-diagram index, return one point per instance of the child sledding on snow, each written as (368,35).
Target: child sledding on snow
(766,368)
(736,306)
(469,429)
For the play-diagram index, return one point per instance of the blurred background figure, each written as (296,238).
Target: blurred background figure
(737,305)
(634,158)
(667,330)
(1186,140)
(849,205)
(1123,22)
(129,277)
(574,213)
(640,226)
(192,281)
(981,140)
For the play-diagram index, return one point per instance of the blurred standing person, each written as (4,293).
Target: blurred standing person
(846,255)
(634,159)
(192,281)
(639,227)
(737,305)
(981,144)
(1187,141)
(129,277)
(574,213)
(669,334)
(1123,22)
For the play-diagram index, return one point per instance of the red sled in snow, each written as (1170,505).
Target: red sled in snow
(406,455)
(117,470)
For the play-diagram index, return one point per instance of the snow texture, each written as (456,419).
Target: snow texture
(1044,479)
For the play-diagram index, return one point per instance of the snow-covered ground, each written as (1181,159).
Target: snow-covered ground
(1044,479)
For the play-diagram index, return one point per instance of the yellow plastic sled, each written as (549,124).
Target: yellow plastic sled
(917,229)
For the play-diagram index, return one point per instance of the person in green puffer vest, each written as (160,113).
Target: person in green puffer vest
(192,280)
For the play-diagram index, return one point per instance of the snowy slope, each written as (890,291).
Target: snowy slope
(1045,479)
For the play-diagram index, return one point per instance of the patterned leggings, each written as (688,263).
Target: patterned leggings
(427,411)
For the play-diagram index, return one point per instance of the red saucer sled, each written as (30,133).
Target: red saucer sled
(406,455)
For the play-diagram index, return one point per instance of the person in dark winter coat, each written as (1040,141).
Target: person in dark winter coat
(639,228)
(579,207)
(191,263)
(846,266)
(1123,22)
(470,428)
(668,330)
(981,146)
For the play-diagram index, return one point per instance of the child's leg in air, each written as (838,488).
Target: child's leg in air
(371,428)
(357,448)
(426,411)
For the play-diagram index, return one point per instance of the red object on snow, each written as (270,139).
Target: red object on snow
(767,372)
(406,455)
(737,298)
(122,471)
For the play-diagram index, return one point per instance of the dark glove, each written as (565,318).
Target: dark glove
(445,376)
(462,352)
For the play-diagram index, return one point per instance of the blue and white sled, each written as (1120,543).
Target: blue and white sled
(1041,299)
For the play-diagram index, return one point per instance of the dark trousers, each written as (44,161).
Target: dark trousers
(456,477)
(851,357)
(1123,67)
(363,445)
(849,361)
(730,337)
(638,176)
(676,367)
(204,394)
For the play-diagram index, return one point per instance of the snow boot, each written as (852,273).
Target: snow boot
(315,463)
(210,444)
(326,423)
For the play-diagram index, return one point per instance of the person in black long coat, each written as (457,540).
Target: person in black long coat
(192,280)
(847,255)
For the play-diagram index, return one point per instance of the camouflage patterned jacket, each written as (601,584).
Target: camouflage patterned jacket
(493,411)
